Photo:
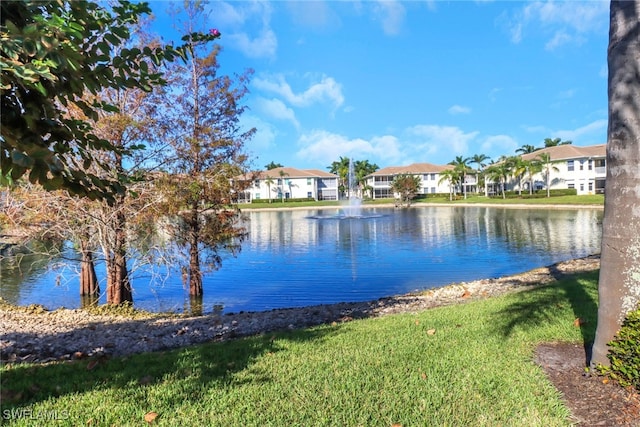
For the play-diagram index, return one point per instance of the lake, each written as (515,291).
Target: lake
(302,257)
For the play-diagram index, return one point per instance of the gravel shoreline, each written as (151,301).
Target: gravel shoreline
(44,336)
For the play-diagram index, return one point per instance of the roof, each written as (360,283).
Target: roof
(569,151)
(288,172)
(413,169)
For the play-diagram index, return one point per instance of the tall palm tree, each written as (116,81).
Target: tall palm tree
(533,167)
(282,174)
(500,172)
(269,181)
(481,161)
(518,170)
(341,168)
(619,284)
(526,149)
(548,166)
(461,167)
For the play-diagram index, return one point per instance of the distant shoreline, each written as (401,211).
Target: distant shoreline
(422,204)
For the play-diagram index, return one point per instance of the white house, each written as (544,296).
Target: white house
(430,179)
(290,183)
(582,168)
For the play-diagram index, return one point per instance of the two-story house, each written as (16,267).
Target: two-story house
(582,168)
(431,181)
(290,183)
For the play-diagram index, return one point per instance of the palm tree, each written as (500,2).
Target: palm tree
(526,149)
(548,142)
(547,166)
(341,168)
(452,177)
(272,165)
(500,172)
(480,160)
(282,174)
(619,286)
(269,181)
(363,168)
(461,167)
(533,167)
(518,169)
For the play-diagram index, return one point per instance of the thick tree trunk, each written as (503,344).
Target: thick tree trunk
(619,283)
(88,279)
(118,284)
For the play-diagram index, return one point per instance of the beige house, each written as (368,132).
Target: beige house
(290,183)
(582,168)
(431,181)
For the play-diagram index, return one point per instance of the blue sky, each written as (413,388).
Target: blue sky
(422,81)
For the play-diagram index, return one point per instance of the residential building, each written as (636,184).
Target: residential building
(431,181)
(582,168)
(290,183)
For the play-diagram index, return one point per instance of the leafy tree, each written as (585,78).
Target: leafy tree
(619,283)
(272,165)
(406,186)
(201,123)
(547,166)
(461,167)
(548,142)
(52,53)
(526,149)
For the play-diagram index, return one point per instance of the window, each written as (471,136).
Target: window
(309,195)
(433,177)
(433,190)
(257,183)
(279,181)
(570,165)
(308,181)
(590,186)
(590,164)
(581,187)
(257,196)
(571,185)
(581,165)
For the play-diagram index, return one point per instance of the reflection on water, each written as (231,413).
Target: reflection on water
(305,257)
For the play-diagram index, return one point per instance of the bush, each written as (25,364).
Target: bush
(624,353)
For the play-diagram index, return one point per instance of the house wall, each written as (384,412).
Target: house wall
(295,188)
(429,184)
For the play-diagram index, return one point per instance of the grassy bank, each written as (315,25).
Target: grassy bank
(468,364)
(587,200)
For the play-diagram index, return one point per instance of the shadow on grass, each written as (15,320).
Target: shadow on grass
(194,369)
(578,290)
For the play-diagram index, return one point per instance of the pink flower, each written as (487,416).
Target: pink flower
(214,32)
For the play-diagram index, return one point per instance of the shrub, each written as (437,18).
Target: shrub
(624,353)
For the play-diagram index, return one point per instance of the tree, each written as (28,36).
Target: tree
(52,53)
(341,168)
(202,111)
(518,170)
(532,168)
(526,149)
(500,172)
(462,169)
(406,186)
(272,165)
(480,160)
(269,181)
(281,180)
(547,166)
(548,142)
(619,282)
(362,168)
(452,177)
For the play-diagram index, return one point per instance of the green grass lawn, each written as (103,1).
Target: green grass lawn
(462,365)
(586,200)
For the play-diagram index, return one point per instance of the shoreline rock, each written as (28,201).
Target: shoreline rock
(66,334)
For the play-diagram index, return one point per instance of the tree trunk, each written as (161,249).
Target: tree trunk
(88,279)
(195,274)
(619,283)
(118,283)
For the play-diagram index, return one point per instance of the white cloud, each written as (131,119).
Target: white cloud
(459,109)
(234,20)
(324,147)
(433,138)
(495,146)
(391,13)
(567,22)
(588,132)
(264,137)
(327,89)
(276,109)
